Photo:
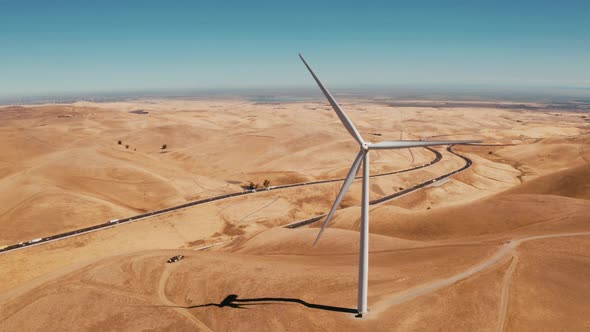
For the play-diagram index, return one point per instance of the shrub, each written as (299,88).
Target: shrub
(127,146)
(120,142)
(266,183)
(164,146)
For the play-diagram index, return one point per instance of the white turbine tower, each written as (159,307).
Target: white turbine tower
(363,157)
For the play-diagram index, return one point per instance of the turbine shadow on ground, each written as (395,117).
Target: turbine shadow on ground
(232,301)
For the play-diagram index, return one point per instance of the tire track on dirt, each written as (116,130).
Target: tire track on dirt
(180,310)
(506,294)
(415,292)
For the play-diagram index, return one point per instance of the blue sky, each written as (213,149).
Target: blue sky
(54,47)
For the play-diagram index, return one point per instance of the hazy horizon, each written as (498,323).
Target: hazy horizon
(310,93)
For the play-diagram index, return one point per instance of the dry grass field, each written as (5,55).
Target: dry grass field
(503,245)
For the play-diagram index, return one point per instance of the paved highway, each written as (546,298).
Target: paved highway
(116,222)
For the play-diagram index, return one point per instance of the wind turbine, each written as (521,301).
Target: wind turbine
(363,157)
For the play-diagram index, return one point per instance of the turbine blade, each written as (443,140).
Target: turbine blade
(412,144)
(347,182)
(343,118)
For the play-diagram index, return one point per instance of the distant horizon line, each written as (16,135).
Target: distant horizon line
(401,91)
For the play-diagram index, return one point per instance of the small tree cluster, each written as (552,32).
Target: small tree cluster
(120,142)
(256,186)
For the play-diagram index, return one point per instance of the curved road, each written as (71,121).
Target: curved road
(406,191)
(113,223)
